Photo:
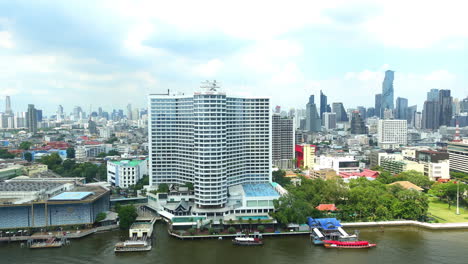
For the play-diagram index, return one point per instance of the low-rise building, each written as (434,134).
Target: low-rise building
(305,155)
(124,173)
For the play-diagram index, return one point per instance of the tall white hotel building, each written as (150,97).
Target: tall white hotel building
(211,140)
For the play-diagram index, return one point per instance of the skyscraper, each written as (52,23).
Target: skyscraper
(129,112)
(387,91)
(31,119)
(410,113)
(340,112)
(39,115)
(464,105)
(323,104)
(392,133)
(329,120)
(445,102)
(430,115)
(211,140)
(357,124)
(313,123)
(282,141)
(433,95)
(8,110)
(401,108)
(378,105)
(370,112)
(362,111)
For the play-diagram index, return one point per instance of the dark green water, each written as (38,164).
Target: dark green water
(395,246)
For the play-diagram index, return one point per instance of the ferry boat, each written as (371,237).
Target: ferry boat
(244,240)
(349,244)
(49,243)
(132,246)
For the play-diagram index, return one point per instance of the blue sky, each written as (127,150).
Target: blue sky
(111,53)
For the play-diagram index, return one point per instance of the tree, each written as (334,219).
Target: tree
(28,156)
(231,230)
(279,177)
(70,153)
(52,161)
(99,217)
(4,154)
(113,152)
(261,228)
(163,188)
(415,177)
(192,231)
(127,215)
(25,145)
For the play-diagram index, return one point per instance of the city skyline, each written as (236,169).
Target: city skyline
(340,48)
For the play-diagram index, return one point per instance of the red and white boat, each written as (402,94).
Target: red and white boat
(347,244)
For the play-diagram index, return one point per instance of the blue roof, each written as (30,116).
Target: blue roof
(324,223)
(71,196)
(259,189)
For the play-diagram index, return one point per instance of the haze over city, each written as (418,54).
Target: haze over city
(111,53)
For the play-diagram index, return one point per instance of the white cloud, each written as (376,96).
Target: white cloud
(6,40)
(209,69)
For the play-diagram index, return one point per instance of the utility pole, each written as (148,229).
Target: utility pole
(458,197)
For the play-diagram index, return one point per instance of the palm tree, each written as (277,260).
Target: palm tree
(231,222)
(250,224)
(221,224)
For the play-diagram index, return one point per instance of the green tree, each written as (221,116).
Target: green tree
(415,177)
(4,154)
(25,145)
(279,177)
(28,156)
(163,188)
(231,230)
(192,231)
(127,215)
(52,161)
(261,228)
(70,153)
(101,216)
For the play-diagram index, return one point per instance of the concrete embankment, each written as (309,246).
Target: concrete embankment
(408,223)
(71,235)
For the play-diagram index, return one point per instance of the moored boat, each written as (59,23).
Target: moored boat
(347,244)
(49,243)
(132,246)
(245,240)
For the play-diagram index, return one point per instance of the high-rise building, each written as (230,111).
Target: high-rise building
(430,115)
(39,115)
(31,119)
(129,112)
(323,104)
(464,105)
(211,140)
(357,124)
(410,113)
(378,105)
(363,112)
(392,133)
(77,112)
(433,95)
(100,111)
(313,123)
(388,114)
(370,112)
(417,120)
(458,156)
(445,102)
(8,110)
(60,113)
(329,120)
(340,112)
(456,106)
(401,108)
(387,91)
(282,141)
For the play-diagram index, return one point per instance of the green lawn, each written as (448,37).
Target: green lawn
(440,211)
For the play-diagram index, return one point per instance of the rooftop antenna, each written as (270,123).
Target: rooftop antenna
(210,86)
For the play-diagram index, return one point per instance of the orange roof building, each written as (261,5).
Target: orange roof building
(326,207)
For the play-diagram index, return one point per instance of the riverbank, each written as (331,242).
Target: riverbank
(432,226)
(58,234)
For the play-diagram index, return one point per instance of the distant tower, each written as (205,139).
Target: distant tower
(8,110)
(31,119)
(387,91)
(457,137)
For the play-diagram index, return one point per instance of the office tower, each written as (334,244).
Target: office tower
(282,141)
(410,113)
(433,95)
(92,128)
(31,119)
(136,114)
(378,105)
(388,114)
(329,120)
(129,112)
(464,105)
(456,106)
(370,112)
(357,124)
(313,123)
(430,115)
(401,108)
(362,111)
(211,140)
(77,112)
(3,120)
(100,111)
(387,91)
(323,104)
(59,113)
(39,115)
(445,102)
(417,120)
(8,110)
(340,112)
(392,133)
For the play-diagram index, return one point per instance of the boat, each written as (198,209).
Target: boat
(132,246)
(49,243)
(245,240)
(347,244)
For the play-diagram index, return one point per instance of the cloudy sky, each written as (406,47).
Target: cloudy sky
(111,53)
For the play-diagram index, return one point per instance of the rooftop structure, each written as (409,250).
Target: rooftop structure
(71,196)
(259,190)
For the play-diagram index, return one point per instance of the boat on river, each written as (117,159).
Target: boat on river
(133,246)
(245,240)
(347,244)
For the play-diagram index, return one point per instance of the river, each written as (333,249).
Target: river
(395,245)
